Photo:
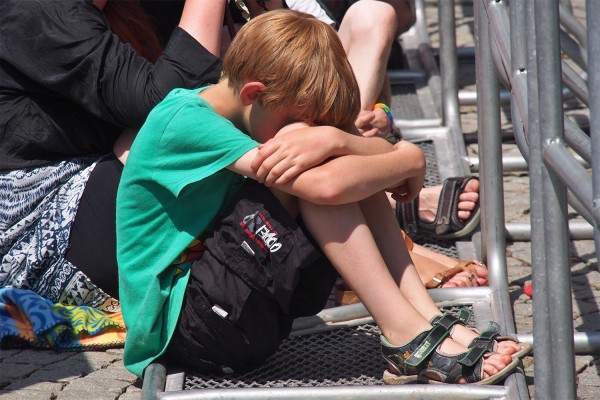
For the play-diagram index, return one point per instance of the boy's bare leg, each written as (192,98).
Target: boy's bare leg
(387,235)
(343,234)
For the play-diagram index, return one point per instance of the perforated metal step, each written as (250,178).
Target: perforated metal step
(343,356)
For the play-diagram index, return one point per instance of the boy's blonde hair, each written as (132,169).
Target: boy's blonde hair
(302,63)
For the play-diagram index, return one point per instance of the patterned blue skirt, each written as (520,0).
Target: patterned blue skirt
(37,209)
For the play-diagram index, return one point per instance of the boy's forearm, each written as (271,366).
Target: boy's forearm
(352,178)
(350,144)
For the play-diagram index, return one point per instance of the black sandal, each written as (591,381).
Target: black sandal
(446,224)
(420,361)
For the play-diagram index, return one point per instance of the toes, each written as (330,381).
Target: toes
(468,197)
(461,280)
(472,186)
(482,275)
(464,214)
(495,363)
(507,347)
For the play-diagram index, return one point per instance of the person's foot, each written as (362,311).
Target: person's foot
(492,364)
(429,263)
(465,335)
(429,200)
(421,360)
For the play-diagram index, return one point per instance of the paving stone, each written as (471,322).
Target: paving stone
(583,362)
(135,388)
(118,352)
(523,310)
(26,395)
(12,371)
(38,357)
(7,353)
(91,385)
(30,384)
(57,374)
(113,374)
(88,395)
(96,359)
(590,377)
(129,396)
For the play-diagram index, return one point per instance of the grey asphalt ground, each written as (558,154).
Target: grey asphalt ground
(100,375)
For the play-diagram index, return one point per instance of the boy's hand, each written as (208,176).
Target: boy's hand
(294,150)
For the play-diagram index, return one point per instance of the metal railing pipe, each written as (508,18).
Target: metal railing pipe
(492,201)
(594,85)
(572,25)
(415,392)
(559,304)
(541,323)
(572,49)
(449,77)
(575,83)
(570,172)
(490,143)
(522,232)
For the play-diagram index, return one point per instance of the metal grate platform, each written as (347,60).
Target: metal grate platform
(343,356)
(405,102)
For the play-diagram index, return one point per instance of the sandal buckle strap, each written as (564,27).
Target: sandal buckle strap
(433,339)
(486,337)
(471,357)
(448,320)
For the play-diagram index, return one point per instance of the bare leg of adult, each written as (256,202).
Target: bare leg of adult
(367,32)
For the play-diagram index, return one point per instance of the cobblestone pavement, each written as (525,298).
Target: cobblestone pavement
(100,375)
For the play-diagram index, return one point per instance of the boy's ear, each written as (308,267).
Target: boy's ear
(250,92)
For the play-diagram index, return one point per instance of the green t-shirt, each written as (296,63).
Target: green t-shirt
(173,185)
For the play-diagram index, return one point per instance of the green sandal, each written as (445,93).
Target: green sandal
(420,361)
(488,339)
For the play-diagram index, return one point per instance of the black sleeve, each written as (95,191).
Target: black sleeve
(67,48)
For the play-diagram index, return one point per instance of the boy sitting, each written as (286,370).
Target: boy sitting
(213,267)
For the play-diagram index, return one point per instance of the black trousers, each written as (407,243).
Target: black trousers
(92,241)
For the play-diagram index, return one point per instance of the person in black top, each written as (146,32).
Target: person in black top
(73,75)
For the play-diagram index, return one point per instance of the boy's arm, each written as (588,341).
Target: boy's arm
(352,178)
(297,148)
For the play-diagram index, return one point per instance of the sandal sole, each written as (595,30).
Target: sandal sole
(466,230)
(393,379)
(390,378)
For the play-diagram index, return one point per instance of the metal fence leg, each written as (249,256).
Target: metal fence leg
(558,297)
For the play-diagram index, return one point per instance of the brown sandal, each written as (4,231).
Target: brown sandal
(442,277)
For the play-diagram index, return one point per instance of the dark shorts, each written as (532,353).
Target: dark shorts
(260,270)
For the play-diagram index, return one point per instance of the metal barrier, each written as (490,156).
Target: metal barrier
(521,44)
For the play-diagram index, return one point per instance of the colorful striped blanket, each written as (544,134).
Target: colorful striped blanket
(29,319)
